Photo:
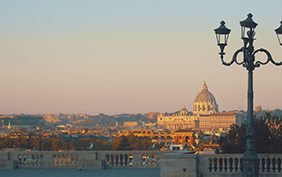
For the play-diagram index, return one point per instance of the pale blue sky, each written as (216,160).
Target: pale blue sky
(130,56)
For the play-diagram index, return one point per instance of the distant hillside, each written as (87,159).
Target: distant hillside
(106,120)
(260,113)
(21,120)
(97,120)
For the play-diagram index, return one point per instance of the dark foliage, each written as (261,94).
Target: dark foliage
(268,139)
(22,120)
(131,142)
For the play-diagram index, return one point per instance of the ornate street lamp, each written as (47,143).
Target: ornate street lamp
(279,33)
(250,158)
(222,34)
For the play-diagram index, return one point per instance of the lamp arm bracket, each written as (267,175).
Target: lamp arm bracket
(234,58)
(269,58)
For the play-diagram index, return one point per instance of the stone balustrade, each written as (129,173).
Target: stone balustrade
(170,163)
(83,159)
(131,159)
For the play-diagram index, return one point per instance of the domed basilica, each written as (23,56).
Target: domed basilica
(205,102)
(205,115)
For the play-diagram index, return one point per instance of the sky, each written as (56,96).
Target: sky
(114,57)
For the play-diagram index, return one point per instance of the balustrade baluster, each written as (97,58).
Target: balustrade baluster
(268,163)
(272,165)
(72,160)
(228,165)
(260,165)
(19,160)
(37,160)
(120,160)
(235,167)
(112,159)
(213,165)
(240,165)
(149,160)
(158,159)
(66,160)
(62,160)
(115,160)
(41,161)
(276,165)
(59,160)
(55,159)
(125,160)
(76,158)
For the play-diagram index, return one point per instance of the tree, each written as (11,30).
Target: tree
(81,144)
(131,142)
(45,145)
(267,136)
(102,145)
(58,144)
(35,143)
(120,143)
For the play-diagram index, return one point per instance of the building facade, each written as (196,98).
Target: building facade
(205,115)
(178,120)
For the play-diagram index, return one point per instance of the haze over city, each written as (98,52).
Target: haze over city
(130,56)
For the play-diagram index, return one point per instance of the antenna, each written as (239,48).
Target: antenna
(239,106)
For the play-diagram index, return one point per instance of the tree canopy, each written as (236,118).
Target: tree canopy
(131,142)
(268,137)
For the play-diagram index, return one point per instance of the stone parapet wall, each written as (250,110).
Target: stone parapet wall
(130,159)
(83,159)
(171,163)
(8,164)
(179,164)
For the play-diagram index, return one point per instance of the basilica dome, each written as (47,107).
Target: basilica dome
(205,96)
(205,102)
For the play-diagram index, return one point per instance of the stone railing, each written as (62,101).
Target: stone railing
(82,159)
(130,159)
(170,163)
(206,165)
(269,164)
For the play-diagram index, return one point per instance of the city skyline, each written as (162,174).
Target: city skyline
(130,57)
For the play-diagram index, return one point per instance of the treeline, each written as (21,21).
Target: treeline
(268,136)
(129,142)
(21,120)
(53,144)
(132,142)
(108,120)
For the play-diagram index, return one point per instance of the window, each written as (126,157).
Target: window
(175,148)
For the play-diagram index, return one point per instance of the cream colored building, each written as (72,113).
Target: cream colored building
(179,119)
(205,115)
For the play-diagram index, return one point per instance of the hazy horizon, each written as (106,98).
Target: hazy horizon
(124,56)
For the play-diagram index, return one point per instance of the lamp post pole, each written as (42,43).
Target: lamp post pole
(250,158)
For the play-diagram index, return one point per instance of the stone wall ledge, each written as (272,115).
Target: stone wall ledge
(178,165)
(91,164)
(8,164)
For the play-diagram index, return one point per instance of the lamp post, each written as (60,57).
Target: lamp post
(250,158)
